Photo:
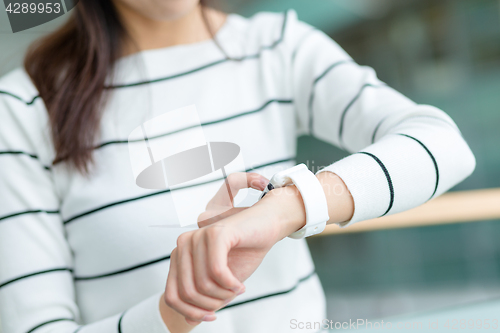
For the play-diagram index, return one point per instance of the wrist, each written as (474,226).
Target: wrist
(286,209)
(174,321)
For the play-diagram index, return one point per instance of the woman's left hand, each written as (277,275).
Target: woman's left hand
(209,264)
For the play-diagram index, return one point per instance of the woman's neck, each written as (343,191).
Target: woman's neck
(147,34)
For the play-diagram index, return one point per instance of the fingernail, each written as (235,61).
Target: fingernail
(226,303)
(239,290)
(209,318)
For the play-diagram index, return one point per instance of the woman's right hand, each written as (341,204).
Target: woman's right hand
(221,205)
(210,264)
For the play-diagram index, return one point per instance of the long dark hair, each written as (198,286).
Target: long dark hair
(69,68)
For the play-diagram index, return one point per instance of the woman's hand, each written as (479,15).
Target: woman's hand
(221,205)
(209,264)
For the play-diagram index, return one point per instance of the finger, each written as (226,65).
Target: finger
(256,181)
(218,249)
(192,322)
(203,281)
(193,315)
(237,181)
(185,281)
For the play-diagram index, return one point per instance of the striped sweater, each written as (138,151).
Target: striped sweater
(79,254)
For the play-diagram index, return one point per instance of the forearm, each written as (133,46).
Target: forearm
(287,203)
(338,197)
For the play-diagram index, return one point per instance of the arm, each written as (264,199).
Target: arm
(209,264)
(403,155)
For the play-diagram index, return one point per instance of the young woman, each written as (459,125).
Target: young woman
(77,252)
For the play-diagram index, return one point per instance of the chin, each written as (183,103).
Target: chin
(161,10)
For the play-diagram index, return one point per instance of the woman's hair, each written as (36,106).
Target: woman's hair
(69,69)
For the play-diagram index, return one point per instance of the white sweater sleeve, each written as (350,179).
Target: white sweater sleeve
(404,153)
(36,283)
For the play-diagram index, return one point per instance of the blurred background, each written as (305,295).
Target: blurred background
(440,52)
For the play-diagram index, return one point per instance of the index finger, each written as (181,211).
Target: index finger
(237,181)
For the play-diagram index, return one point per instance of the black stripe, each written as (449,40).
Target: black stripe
(83,278)
(19,98)
(405,119)
(271,295)
(351,103)
(140,83)
(389,181)
(266,104)
(17,152)
(283,27)
(212,64)
(120,322)
(311,97)
(432,158)
(49,322)
(29,212)
(71,219)
(377,128)
(62,269)
(304,38)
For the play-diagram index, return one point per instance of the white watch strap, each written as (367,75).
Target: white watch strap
(312,194)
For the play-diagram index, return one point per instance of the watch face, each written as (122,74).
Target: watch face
(268,188)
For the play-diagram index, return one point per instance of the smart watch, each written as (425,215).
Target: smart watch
(312,194)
